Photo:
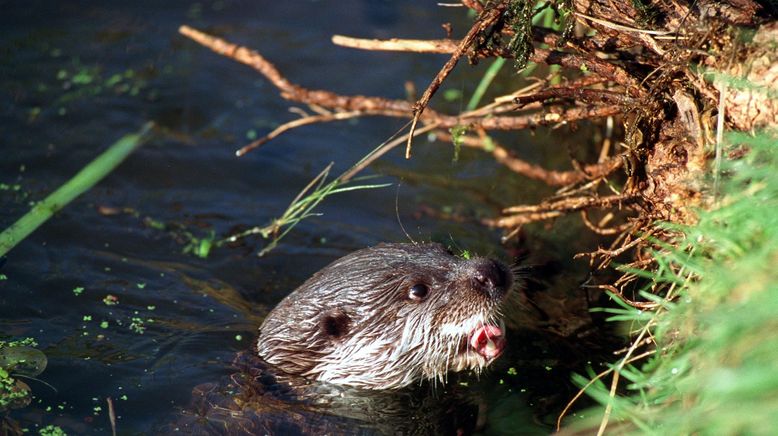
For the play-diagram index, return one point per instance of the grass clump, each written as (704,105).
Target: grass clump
(303,206)
(713,341)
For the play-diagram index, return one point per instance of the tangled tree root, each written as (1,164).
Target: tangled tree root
(669,72)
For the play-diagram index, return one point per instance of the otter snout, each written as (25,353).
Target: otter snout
(491,278)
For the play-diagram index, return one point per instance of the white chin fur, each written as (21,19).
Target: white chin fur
(418,353)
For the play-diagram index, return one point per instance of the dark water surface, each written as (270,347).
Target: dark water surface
(76,76)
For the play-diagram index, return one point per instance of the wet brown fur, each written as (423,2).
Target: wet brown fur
(355,322)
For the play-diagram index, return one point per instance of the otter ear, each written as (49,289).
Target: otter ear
(335,323)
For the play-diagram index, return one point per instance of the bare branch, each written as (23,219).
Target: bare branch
(487,19)
(536,172)
(549,57)
(310,119)
(529,213)
(371,106)
(292,91)
(444,46)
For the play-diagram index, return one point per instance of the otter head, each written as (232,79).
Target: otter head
(387,316)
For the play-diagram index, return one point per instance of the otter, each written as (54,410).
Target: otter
(390,315)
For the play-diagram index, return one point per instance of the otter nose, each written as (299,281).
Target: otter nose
(492,278)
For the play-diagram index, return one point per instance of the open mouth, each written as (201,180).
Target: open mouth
(488,340)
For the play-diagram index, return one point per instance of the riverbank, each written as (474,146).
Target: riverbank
(712,339)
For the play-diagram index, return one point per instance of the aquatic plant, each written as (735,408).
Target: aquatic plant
(18,359)
(303,206)
(90,175)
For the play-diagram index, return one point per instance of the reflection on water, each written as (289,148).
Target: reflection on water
(104,287)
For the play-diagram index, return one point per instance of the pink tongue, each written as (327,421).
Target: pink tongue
(488,341)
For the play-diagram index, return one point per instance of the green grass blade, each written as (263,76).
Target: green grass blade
(483,85)
(80,183)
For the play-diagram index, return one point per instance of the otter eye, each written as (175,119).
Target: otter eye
(418,292)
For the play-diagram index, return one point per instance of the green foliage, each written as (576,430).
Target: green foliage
(568,21)
(18,358)
(26,342)
(452,95)
(13,394)
(200,247)
(714,370)
(51,430)
(519,18)
(647,13)
(457,136)
(80,81)
(303,205)
(138,325)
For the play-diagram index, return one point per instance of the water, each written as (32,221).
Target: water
(151,321)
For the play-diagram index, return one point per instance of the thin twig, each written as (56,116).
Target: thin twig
(642,305)
(623,28)
(574,204)
(646,330)
(550,57)
(596,228)
(111,415)
(591,382)
(371,106)
(383,149)
(487,19)
(398,44)
(585,95)
(609,255)
(311,119)
(535,172)
(292,91)
(722,86)
(474,5)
